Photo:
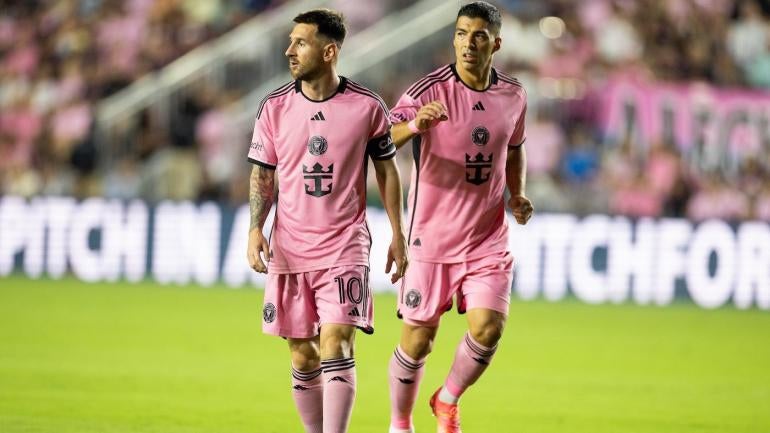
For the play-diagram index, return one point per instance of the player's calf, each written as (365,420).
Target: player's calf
(307,383)
(405,372)
(339,376)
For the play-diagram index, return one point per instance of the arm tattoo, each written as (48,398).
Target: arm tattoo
(261,193)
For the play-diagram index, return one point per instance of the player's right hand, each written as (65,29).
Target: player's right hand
(398,255)
(258,244)
(430,115)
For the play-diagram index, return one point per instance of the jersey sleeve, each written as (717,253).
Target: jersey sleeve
(380,146)
(519,135)
(405,110)
(262,149)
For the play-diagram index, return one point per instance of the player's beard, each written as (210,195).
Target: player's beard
(306,72)
(481,62)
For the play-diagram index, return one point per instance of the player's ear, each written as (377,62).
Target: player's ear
(497,44)
(331,51)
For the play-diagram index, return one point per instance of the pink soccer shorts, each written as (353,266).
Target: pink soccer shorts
(298,305)
(428,288)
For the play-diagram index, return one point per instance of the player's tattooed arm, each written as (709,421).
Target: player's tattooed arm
(516,179)
(428,116)
(261,197)
(389,182)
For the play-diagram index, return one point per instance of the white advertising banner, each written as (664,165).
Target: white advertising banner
(596,258)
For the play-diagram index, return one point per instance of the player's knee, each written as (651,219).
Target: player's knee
(419,342)
(305,357)
(337,344)
(488,333)
(418,348)
(305,363)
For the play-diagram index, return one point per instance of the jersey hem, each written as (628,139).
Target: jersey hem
(458,259)
(319,267)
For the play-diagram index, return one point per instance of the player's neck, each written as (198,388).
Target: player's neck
(478,80)
(322,87)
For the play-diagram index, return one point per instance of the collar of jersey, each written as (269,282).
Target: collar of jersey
(340,89)
(492,78)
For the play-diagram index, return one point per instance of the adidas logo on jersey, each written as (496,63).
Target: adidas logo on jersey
(479,107)
(417,242)
(318,116)
(354,312)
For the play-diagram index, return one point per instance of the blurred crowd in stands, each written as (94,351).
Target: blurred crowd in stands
(573,166)
(58,59)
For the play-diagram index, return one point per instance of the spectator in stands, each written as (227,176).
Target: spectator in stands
(58,59)
(748,36)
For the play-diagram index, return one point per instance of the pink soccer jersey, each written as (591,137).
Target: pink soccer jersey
(320,150)
(456,197)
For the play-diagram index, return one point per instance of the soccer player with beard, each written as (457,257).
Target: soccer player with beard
(314,136)
(466,125)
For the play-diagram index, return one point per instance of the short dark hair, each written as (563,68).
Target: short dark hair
(330,23)
(485,11)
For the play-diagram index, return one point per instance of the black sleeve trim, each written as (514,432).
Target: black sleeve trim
(381,148)
(262,164)
(386,157)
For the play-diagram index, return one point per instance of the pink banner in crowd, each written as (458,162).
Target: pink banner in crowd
(691,114)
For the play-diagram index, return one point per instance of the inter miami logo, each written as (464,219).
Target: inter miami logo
(413,298)
(268,313)
(317,145)
(480,136)
(318,175)
(475,168)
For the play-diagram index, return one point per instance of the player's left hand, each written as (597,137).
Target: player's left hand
(397,253)
(522,208)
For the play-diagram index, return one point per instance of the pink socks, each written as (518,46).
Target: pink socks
(405,374)
(308,390)
(339,381)
(471,359)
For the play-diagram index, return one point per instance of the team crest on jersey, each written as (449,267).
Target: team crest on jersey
(319,177)
(268,313)
(413,298)
(480,136)
(478,168)
(317,145)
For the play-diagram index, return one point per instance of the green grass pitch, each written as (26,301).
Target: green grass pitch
(105,358)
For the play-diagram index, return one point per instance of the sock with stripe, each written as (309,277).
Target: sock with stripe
(471,359)
(405,374)
(339,378)
(308,393)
